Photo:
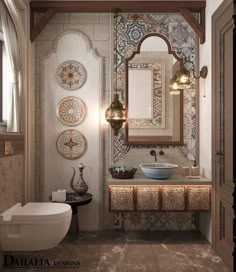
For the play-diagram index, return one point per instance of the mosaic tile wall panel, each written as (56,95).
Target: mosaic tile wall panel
(71,111)
(173,198)
(131,29)
(122,198)
(199,198)
(71,144)
(148,198)
(155,221)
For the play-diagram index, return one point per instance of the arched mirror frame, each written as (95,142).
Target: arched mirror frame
(153,140)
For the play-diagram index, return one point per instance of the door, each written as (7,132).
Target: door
(222,103)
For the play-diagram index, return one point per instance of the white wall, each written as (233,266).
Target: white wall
(206,87)
(96,26)
(57,171)
(205,114)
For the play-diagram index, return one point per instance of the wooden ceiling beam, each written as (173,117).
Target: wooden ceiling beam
(199,28)
(185,8)
(124,6)
(36,29)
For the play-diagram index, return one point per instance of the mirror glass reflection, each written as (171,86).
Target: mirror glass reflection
(154,115)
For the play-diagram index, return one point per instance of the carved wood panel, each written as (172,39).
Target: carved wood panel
(159,198)
(199,198)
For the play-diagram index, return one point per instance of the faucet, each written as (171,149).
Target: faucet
(153,153)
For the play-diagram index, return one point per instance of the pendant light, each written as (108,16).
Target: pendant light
(116,113)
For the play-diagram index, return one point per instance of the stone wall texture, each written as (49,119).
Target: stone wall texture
(11,181)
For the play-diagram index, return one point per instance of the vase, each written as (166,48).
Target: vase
(80,186)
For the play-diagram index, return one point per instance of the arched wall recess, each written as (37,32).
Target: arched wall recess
(75,46)
(185,8)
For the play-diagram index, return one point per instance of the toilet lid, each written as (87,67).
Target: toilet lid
(42,211)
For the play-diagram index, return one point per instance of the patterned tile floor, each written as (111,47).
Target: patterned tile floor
(129,251)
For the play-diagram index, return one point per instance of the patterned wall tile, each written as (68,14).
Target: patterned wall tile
(122,198)
(120,149)
(153,221)
(131,29)
(148,198)
(173,198)
(199,198)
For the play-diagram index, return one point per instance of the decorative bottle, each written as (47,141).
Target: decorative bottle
(80,186)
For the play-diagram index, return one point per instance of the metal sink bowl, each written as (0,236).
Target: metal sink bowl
(158,170)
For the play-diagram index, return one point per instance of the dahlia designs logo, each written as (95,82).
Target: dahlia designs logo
(13,261)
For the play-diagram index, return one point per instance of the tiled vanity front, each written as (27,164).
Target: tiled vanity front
(142,194)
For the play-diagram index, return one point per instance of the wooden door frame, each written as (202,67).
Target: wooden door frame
(225,4)
(234,130)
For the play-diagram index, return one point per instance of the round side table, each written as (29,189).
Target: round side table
(75,200)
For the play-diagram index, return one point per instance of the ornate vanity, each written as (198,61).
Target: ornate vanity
(175,194)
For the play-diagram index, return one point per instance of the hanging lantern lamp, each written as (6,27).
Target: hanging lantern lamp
(116,113)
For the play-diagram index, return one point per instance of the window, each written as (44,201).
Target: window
(5,78)
(1,76)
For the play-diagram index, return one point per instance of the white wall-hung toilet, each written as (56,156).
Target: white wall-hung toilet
(35,226)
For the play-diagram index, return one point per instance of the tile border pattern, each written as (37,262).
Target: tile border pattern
(156,67)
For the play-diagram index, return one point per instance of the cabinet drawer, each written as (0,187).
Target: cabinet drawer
(121,198)
(173,198)
(199,198)
(159,198)
(148,198)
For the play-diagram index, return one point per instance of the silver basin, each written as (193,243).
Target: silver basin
(158,170)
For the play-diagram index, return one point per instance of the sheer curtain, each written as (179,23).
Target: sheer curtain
(12,48)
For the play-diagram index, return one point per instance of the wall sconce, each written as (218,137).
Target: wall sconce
(181,79)
(116,113)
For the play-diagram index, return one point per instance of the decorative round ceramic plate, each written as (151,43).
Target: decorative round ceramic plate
(71,144)
(71,111)
(71,75)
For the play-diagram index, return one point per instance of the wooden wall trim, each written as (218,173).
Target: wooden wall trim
(11,137)
(234,133)
(199,28)
(124,6)
(44,20)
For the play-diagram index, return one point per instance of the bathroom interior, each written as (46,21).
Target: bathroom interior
(85,189)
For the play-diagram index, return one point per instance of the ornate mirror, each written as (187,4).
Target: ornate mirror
(155,116)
